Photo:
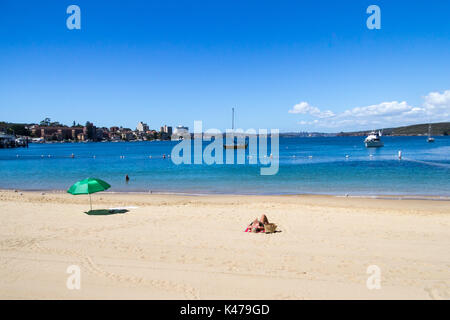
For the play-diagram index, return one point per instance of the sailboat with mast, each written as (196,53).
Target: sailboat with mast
(234,144)
(430,138)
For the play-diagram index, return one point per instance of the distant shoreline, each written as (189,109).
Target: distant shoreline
(286,135)
(413,130)
(200,194)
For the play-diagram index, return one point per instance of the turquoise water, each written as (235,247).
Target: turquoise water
(307,165)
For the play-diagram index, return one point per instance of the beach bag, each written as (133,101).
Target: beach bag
(270,227)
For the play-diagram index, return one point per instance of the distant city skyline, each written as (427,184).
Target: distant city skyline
(292,65)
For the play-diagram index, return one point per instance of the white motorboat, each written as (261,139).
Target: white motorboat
(373,140)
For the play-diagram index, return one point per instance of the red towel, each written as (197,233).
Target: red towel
(257,230)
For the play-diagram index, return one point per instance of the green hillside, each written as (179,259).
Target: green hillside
(437,129)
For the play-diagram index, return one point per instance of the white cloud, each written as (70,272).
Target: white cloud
(305,108)
(436,107)
(378,110)
(436,101)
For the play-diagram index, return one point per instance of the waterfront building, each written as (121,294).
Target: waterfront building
(7,140)
(142,127)
(90,130)
(167,130)
(55,133)
(82,136)
(180,132)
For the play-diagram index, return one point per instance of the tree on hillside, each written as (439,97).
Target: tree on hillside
(19,129)
(45,122)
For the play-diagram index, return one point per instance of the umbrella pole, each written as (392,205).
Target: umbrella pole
(90,201)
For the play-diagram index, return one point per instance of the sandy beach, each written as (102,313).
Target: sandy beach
(194,247)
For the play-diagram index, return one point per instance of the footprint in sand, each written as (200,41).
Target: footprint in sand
(438,291)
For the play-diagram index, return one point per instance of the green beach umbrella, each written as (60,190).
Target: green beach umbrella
(88,186)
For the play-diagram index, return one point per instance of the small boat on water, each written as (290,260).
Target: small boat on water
(373,140)
(234,144)
(430,138)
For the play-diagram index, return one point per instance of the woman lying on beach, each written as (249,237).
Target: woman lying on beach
(257,225)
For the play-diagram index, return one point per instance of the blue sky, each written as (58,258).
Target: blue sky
(292,65)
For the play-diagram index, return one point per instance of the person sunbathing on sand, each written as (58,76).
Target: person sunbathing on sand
(258,225)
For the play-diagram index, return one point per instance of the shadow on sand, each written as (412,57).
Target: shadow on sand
(276,231)
(105,212)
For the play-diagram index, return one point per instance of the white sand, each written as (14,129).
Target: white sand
(194,247)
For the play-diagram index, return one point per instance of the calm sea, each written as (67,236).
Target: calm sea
(307,166)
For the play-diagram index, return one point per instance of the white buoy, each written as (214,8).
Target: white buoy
(346,156)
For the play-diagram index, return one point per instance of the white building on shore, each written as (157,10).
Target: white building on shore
(142,127)
(180,132)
